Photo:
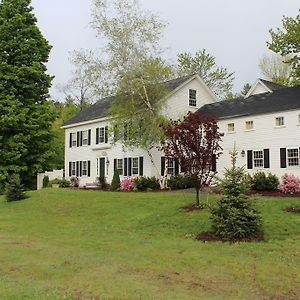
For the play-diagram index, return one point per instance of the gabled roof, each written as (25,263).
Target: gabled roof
(99,109)
(280,100)
(268,86)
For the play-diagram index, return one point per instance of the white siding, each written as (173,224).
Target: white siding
(177,106)
(265,135)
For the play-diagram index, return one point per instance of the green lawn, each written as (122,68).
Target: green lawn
(64,244)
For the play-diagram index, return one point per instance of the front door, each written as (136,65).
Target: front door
(102,166)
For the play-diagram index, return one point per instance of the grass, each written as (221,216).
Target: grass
(64,244)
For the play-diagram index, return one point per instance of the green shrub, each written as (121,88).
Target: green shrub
(180,182)
(14,190)
(115,184)
(235,218)
(45,181)
(103,185)
(261,182)
(63,183)
(145,183)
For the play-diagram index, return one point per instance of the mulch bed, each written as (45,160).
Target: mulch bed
(209,237)
(293,210)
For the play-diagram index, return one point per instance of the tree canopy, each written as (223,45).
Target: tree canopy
(286,41)
(219,79)
(26,114)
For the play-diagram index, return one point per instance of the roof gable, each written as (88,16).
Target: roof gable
(263,86)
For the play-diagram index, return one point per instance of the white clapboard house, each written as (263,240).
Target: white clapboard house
(264,126)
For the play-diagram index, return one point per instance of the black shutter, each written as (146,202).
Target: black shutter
(78,138)
(214,163)
(162,170)
(106,134)
(80,169)
(77,168)
(89,169)
(282,157)
(97,136)
(141,166)
(129,166)
(70,168)
(89,136)
(115,164)
(176,167)
(81,138)
(249,159)
(70,140)
(266,158)
(125,167)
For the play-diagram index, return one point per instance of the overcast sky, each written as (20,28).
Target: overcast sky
(234,31)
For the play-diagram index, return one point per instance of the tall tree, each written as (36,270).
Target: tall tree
(219,79)
(246,88)
(26,115)
(133,69)
(195,142)
(286,41)
(276,68)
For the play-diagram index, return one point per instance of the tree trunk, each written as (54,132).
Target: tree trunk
(162,180)
(197,197)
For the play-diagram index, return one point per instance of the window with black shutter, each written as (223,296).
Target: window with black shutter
(249,159)
(282,157)
(266,158)
(141,166)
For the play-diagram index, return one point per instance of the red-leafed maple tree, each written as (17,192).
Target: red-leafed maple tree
(195,142)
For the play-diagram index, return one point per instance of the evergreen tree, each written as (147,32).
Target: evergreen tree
(115,184)
(25,112)
(14,190)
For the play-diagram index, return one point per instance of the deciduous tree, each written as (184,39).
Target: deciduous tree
(195,142)
(219,79)
(286,41)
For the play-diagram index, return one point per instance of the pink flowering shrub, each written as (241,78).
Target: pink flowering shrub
(290,184)
(127,184)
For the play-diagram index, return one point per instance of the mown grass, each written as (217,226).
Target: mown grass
(65,244)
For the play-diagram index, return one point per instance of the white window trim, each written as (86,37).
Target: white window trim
(191,99)
(280,126)
(74,140)
(117,166)
(233,131)
(138,166)
(173,167)
(260,167)
(249,129)
(87,138)
(100,130)
(73,168)
(287,158)
(86,165)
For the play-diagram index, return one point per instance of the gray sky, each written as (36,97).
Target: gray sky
(234,31)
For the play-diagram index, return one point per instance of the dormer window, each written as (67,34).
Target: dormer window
(192,98)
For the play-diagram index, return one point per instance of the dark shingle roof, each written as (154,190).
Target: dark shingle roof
(280,100)
(271,85)
(98,110)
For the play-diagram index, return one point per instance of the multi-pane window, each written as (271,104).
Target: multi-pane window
(171,167)
(73,168)
(258,159)
(293,157)
(230,127)
(101,134)
(74,139)
(279,121)
(249,125)
(84,168)
(135,166)
(193,98)
(84,138)
(120,166)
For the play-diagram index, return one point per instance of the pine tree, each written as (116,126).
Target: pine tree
(25,112)
(15,190)
(115,184)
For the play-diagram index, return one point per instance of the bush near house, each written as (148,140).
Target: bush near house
(63,183)
(127,184)
(45,181)
(146,183)
(115,184)
(180,182)
(290,184)
(262,182)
